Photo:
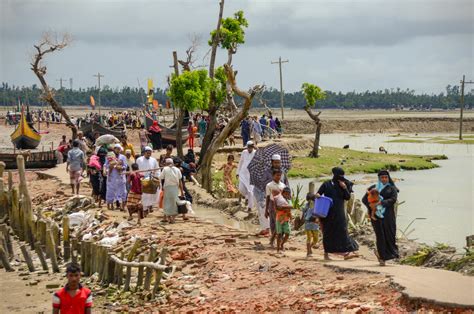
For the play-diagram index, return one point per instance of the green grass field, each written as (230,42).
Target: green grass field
(358,162)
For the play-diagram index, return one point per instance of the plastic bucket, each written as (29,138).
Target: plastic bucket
(322,206)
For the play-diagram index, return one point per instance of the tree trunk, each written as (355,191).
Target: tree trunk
(179,133)
(209,136)
(206,160)
(315,152)
(315,117)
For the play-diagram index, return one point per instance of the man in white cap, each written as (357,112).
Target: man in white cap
(243,175)
(260,195)
(146,162)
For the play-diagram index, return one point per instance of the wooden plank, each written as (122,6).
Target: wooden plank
(27,257)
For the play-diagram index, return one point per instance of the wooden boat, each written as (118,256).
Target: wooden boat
(33,160)
(24,136)
(90,128)
(168,134)
(149,121)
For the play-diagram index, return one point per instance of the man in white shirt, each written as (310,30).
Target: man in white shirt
(243,174)
(172,187)
(146,162)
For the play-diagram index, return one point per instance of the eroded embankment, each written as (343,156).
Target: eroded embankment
(384,125)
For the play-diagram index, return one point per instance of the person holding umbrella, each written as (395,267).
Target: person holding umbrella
(336,238)
(272,157)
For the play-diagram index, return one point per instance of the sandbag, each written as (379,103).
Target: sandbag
(106,139)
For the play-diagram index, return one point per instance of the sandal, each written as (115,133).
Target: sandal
(350,256)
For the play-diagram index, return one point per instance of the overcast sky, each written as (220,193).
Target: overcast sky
(340,45)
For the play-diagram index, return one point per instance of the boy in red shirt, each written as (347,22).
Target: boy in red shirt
(73,298)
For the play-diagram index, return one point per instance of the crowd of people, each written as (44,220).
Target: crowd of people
(274,209)
(260,129)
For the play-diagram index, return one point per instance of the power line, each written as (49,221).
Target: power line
(279,62)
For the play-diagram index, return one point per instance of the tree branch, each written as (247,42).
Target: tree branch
(313,116)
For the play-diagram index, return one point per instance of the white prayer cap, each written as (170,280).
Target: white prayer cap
(148,148)
(128,151)
(249,143)
(276,157)
(169,161)
(118,146)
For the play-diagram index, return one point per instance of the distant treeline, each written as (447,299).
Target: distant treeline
(133,97)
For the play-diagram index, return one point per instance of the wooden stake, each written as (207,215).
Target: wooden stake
(128,276)
(8,239)
(27,257)
(159,273)
(134,249)
(74,251)
(149,271)
(10,181)
(141,258)
(39,252)
(66,243)
(51,249)
(110,269)
(4,260)
(16,212)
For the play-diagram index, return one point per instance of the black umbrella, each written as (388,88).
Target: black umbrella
(262,161)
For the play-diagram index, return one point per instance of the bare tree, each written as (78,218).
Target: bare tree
(50,43)
(232,125)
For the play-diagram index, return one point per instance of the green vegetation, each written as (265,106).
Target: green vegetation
(127,97)
(358,162)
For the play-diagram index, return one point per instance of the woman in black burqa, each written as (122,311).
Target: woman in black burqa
(336,238)
(385,228)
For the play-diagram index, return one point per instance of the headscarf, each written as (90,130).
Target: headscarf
(338,174)
(390,181)
(155,127)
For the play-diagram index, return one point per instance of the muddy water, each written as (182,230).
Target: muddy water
(219,217)
(443,196)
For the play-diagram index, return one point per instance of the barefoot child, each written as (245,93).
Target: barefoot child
(311,226)
(270,212)
(283,216)
(228,168)
(134,199)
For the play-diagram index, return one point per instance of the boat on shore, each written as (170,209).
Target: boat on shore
(25,136)
(169,134)
(33,160)
(90,128)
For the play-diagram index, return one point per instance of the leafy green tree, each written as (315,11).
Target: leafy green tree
(312,94)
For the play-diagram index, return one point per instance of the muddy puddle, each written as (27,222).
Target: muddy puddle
(219,217)
(441,200)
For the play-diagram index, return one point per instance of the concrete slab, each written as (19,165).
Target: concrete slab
(431,285)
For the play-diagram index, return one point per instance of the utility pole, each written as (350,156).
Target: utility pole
(279,62)
(463,82)
(98,75)
(70,83)
(61,82)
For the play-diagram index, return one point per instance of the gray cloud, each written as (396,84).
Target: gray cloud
(342,45)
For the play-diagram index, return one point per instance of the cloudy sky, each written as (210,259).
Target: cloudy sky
(339,45)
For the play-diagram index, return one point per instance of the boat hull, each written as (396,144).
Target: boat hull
(89,128)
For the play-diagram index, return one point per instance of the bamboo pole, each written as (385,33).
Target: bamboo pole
(133,251)
(4,260)
(39,252)
(27,257)
(110,269)
(86,257)
(66,243)
(57,237)
(119,271)
(51,249)
(16,213)
(149,271)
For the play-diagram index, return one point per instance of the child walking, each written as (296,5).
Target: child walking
(270,212)
(134,199)
(311,226)
(283,216)
(228,168)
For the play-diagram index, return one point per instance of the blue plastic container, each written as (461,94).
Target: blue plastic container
(321,206)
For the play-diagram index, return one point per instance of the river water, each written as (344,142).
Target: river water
(441,199)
